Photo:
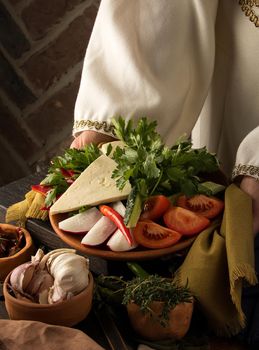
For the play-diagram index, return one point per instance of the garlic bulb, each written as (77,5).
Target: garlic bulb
(50,278)
(71,275)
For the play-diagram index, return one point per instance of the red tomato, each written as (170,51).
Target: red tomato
(203,205)
(185,221)
(154,236)
(155,207)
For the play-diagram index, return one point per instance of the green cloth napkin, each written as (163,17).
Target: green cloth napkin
(218,263)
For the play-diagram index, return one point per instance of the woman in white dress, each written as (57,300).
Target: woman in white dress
(192,65)
(176,62)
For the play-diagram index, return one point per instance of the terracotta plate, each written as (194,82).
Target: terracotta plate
(102,251)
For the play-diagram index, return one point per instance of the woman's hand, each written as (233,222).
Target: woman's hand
(90,136)
(251,186)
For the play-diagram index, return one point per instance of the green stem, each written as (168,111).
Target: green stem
(157,183)
(137,270)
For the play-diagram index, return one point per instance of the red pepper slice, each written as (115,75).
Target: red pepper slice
(45,208)
(67,173)
(41,189)
(118,220)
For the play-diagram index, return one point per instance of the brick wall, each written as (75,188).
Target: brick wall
(42,45)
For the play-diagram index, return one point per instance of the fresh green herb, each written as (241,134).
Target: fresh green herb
(83,208)
(109,290)
(144,291)
(66,168)
(52,194)
(75,160)
(213,187)
(152,167)
(133,208)
(109,149)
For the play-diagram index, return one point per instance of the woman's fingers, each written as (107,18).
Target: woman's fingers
(89,136)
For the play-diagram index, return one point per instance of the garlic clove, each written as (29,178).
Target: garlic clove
(38,256)
(43,297)
(53,256)
(41,281)
(56,294)
(70,272)
(52,252)
(21,276)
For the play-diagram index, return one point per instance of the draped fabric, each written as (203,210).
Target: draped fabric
(174,61)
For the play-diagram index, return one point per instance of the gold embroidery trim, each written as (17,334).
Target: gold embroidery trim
(249,170)
(247,8)
(94,125)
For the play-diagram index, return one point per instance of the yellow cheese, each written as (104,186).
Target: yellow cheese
(94,186)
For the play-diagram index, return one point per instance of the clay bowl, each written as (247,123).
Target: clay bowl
(149,326)
(65,313)
(9,263)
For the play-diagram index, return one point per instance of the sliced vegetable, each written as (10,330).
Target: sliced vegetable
(118,242)
(99,232)
(155,207)
(185,221)
(133,208)
(154,236)
(81,222)
(118,220)
(41,189)
(210,207)
(67,173)
(119,207)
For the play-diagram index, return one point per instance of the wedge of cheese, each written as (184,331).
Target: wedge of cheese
(94,186)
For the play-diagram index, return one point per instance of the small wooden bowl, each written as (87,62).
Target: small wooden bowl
(65,313)
(9,263)
(149,326)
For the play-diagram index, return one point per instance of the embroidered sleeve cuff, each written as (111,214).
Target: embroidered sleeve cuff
(245,170)
(102,127)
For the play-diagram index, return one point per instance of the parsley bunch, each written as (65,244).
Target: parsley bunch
(66,168)
(151,167)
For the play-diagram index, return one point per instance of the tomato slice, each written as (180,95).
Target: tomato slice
(185,221)
(154,236)
(210,207)
(155,207)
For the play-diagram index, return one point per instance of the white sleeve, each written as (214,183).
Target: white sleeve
(150,58)
(247,158)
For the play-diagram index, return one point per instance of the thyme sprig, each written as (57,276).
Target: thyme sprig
(144,291)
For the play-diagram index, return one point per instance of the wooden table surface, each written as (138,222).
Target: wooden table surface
(43,234)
